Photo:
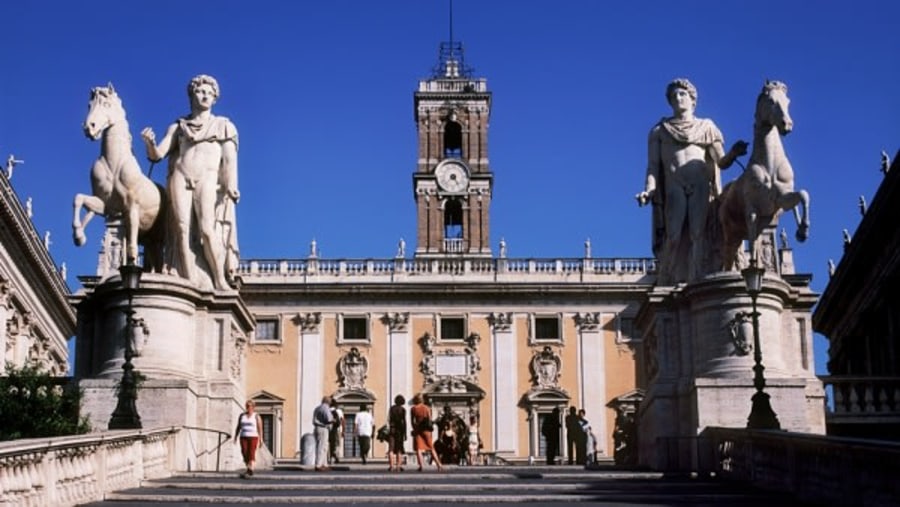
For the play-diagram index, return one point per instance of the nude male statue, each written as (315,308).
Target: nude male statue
(202,184)
(685,155)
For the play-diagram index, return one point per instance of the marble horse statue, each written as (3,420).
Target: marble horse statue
(119,187)
(757,197)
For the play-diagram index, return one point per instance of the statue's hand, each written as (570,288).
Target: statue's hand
(148,136)
(644,197)
(233,194)
(739,149)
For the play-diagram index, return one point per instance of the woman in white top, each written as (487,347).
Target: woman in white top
(474,442)
(249,428)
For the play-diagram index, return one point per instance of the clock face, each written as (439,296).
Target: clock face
(452,176)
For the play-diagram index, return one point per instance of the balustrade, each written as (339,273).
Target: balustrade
(863,397)
(430,270)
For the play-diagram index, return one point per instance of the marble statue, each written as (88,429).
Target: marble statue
(119,187)
(29,211)
(502,248)
(47,240)
(587,248)
(11,163)
(885,162)
(685,155)
(757,197)
(401,249)
(862,205)
(202,185)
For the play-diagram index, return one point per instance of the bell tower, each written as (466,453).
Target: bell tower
(453,181)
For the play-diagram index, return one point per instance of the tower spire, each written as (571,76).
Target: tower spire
(450,58)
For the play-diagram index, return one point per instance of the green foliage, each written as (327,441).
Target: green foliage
(34,404)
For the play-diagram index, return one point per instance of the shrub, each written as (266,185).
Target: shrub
(34,404)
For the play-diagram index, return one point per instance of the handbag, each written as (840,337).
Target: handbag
(383,434)
(426,424)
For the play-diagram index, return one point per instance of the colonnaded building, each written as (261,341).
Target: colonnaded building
(478,333)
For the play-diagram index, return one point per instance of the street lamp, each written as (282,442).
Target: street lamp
(125,416)
(762,417)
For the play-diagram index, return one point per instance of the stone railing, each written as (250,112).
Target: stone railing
(476,270)
(863,399)
(814,468)
(453,85)
(67,471)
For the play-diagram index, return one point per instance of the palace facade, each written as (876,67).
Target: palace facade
(506,340)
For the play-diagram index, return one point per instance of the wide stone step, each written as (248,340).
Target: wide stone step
(468,485)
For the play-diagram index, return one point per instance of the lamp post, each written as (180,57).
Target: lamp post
(125,416)
(762,417)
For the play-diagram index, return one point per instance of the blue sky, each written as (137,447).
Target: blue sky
(321,93)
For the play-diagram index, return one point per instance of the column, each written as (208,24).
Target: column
(310,360)
(398,358)
(592,375)
(505,384)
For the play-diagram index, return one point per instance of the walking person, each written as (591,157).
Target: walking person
(550,430)
(474,441)
(423,429)
(249,428)
(581,445)
(572,431)
(397,431)
(322,421)
(365,427)
(335,433)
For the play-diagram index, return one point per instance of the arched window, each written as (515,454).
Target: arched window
(452,139)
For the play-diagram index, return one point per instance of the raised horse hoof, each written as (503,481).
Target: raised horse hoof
(802,233)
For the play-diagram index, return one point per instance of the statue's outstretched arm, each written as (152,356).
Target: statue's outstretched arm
(157,152)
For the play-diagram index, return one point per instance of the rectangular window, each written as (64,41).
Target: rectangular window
(452,328)
(546,328)
(267,330)
(355,329)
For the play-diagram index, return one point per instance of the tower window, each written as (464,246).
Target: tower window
(453,215)
(452,140)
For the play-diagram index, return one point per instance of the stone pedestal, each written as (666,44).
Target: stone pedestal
(192,357)
(699,362)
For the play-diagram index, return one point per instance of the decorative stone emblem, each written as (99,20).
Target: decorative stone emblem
(500,321)
(740,330)
(353,367)
(545,368)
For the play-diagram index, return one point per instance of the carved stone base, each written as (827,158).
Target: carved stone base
(700,368)
(191,356)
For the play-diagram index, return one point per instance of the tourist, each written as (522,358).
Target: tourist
(397,430)
(248,429)
(423,428)
(335,433)
(365,427)
(572,432)
(474,441)
(322,421)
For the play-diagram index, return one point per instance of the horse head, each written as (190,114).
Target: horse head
(104,110)
(772,107)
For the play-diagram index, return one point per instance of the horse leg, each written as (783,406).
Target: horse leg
(132,226)
(802,222)
(94,205)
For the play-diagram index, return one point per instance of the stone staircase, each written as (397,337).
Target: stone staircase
(484,485)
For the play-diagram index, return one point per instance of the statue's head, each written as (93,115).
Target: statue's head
(200,80)
(681,84)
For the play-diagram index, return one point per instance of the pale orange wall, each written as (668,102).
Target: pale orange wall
(273,368)
(621,373)
(524,354)
(480,325)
